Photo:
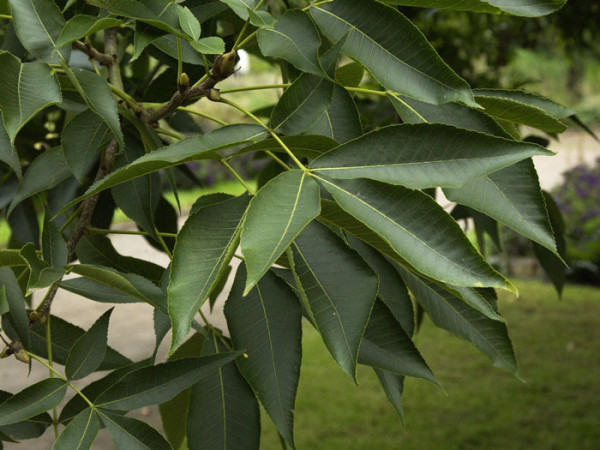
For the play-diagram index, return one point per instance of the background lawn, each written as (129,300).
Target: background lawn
(558,406)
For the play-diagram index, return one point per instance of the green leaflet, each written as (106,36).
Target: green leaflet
(392,49)
(223,410)
(529,8)
(161,14)
(157,384)
(392,289)
(45,172)
(188,22)
(17,315)
(511,196)
(307,146)
(8,153)
(35,399)
(301,104)
(81,26)
(524,109)
(451,313)
(295,39)
(276,215)
(340,288)
(241,7)
(212,45)
(341,121)
(386,346)
(421,156)
(204,247)
(83,138)
(25,89)
(129,433)
(128,283)
(267,324)
(80,433)
(190,149)
(87,353)
(409,221)
(97,95)
(38,24)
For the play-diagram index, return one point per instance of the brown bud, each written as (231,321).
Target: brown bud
(184,81)
(23,356)
(214,95)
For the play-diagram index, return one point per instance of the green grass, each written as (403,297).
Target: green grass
(558,347)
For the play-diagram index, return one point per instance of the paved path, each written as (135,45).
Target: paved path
(131,327)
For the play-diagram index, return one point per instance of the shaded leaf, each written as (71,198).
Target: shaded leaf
(409,221)
(402,154)
(35,399)
(301,104)
(530,8)
(392,289)
(212,45)
(80,433)
(82,141)
(8,153)
(27,429)
(453,314)
(128,283)
(157,384)
(25,89)
(188,22)
(393,50)
(54,247)
(295,39)
(386,346)
(41,274)
(204,247)
(17,315)
(341,121)
(87,353)
(276,215)
(132,434)
(350,74)
(80,26)
(267,325)
(223,410)
(98,96)
(340,288)
(189,149)
(307,146)
(38,24)
(45,172)
(241,7)
(511,196)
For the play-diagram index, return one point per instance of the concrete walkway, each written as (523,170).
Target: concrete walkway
(131,326)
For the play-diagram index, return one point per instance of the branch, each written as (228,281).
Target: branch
(223,68)
(103,58)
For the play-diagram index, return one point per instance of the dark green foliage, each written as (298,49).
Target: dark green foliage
(343,230)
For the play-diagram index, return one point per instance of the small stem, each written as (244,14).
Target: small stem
(162,243)
(204,61)
(254,88)
(71,218)
(60,375)
(124,96)
(248,39)
(245,27)
(93,230)
(316,4)
(110,48)
(367,91)
(237,176)
(201,114)
(393,94)
(269,130)
(204,319)
(203,79)
(171,133)
(179,62)
(51,373)
(277,159)
(5,16)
